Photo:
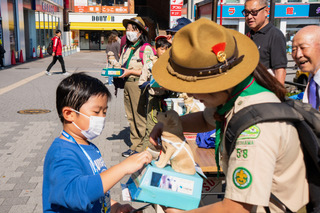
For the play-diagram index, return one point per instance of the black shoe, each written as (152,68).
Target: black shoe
(128,153)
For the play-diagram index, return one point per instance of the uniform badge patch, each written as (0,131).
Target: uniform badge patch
(252,132)
(242,178)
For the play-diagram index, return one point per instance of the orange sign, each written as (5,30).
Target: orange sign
(94,9)
(99,9)
(114,9)
(80,9)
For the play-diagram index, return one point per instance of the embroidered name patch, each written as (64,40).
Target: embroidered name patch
(242,178)
(252,132)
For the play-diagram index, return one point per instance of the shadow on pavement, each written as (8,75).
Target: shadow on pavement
(124,135)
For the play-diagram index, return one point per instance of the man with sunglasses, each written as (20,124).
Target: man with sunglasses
(269,40)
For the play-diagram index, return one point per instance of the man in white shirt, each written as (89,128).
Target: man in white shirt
(306,53)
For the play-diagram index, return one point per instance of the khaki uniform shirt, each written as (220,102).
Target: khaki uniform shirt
(136,62)
(146,76)
(267,159)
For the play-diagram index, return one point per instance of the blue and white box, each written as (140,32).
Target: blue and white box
(165,187)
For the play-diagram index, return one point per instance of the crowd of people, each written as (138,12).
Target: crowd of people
(222,68)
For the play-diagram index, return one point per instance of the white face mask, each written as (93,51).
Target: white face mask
(132,36)
(96,125)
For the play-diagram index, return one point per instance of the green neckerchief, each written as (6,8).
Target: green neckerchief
(247,87)
(131,53)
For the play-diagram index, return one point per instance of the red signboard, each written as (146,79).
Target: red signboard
(176,7)
(175,13)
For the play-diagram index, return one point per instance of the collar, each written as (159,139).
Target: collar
(316,77)
(264,30)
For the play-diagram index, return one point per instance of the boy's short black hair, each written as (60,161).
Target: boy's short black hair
(58,31)
(163,42)
(75,90)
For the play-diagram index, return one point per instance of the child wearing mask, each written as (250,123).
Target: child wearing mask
(75,177)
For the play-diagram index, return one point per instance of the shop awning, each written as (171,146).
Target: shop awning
(96,26)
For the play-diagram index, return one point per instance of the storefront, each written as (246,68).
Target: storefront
(48,19)
(90,31)
(289,17)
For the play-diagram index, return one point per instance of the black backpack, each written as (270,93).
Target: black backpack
(307,122)
(49,48)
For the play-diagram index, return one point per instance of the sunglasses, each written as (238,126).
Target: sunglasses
(253,12)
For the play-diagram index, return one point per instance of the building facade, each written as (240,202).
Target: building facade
(91,21)
(290,15)
(28,25)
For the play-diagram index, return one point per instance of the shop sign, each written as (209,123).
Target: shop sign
(281,10)
(291,10)
(46,7)
(102,18)
(314,10)
(100,9)
(175,11)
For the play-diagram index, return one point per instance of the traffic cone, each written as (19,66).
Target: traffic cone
(41,55)
(21,57)
(13,58)
(34,53)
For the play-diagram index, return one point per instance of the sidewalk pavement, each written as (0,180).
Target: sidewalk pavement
(25,138)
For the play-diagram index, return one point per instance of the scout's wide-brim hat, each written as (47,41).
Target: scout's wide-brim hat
(205,58)
(137,21)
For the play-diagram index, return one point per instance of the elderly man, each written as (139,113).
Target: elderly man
(306,53)
(269,40)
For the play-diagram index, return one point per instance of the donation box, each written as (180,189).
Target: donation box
(165,187)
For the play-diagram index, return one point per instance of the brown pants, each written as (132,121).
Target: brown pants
(135,104)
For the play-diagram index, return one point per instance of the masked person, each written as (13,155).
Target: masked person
(220,67)
(75,177)
(135,54)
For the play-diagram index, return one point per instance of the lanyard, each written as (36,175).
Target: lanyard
(92,165)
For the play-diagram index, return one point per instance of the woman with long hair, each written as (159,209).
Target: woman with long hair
(132,59)
(220,67)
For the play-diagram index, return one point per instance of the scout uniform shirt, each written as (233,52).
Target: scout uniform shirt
(135,62)
(146,76)
(267,159)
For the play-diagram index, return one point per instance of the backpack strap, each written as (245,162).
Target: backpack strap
(266,112)
(142,51)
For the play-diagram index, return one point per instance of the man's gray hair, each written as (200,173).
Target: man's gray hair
(261,2)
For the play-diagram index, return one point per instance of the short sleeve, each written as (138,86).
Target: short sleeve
(278,52)
(252,163)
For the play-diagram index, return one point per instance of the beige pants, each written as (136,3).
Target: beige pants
(135,104)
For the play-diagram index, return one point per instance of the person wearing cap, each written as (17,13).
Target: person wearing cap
(135,100)
(220,67)
(269,40)
(180,22)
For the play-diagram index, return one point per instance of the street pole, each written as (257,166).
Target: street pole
(190,15)
(214,10)
(271,13)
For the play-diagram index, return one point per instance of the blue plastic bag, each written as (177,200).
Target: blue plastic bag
(206,139)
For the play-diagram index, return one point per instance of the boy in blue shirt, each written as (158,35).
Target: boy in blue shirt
(75,177)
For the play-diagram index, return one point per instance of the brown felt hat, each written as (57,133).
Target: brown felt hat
(137,21)
(205,58)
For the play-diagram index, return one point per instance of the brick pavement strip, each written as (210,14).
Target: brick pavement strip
(24,139)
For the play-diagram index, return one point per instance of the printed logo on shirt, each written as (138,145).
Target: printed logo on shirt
(242,178)
(252,132)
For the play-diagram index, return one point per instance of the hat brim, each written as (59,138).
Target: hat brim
(215,84)
(125,23)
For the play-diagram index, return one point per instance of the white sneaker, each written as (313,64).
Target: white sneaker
(65,73)
(48,73)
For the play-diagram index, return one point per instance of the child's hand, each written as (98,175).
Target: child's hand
(155,134)
(136,162)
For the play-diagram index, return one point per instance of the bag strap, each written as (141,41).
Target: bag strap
(248,116)
(142,51)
